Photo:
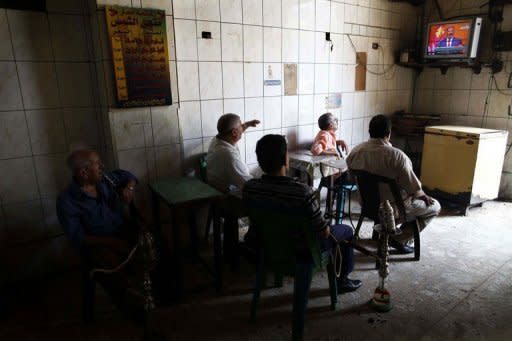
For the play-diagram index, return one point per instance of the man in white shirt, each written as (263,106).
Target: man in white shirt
(226,171)
(379,157)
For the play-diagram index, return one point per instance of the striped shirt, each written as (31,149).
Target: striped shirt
(288,193)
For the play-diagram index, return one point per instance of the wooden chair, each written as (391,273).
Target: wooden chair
(369,190)
(280,235)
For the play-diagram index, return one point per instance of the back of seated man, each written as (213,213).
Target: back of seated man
(379,157)
(96,214)
(276,187)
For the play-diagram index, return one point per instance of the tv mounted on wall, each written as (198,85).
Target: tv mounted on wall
(453,40)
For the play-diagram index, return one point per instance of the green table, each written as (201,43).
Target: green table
(183,194)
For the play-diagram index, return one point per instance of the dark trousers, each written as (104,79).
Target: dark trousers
(341,232)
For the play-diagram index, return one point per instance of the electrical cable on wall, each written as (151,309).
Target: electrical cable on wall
(366,67)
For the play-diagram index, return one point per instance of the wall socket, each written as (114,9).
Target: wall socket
(375,46)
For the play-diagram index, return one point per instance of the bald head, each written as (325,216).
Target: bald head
(79,159)
(227,123)
(85,165)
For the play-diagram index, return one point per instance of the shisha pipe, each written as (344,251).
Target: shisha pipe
(381,300)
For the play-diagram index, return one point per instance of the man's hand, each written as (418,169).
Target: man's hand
(252,123)
(422,196)
(343,145)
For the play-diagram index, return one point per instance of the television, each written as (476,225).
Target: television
(453,40)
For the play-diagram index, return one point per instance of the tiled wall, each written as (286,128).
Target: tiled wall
(460,96)
(46,109)
(226,73)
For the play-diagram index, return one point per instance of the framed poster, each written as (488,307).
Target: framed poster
(140,56)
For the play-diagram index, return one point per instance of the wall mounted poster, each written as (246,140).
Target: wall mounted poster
(141,58)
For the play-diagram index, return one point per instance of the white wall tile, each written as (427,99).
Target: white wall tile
(10,95)
(336,55)
(47,134)
(5,38)
(322,48)
(131,128)
(480,81)
(499,105)
(252,12)
(254,110)
(253,43)
(184,9)
(211,111)
(191,150)
(208,49)
(253,79)
(306,78)
(345,131)
(337,17)
(460,100)
(38,85)
(272,13)
(307,15)
(14,140)
(233,80)
(189,114)
(75,84)
(232,44)
(290,10)
(68,38)
(30,35)
(78,120)
(305,136)
(363,15)
(168,160)
(319,106)
(461,78)
(188,81)
(272,112)
(136,160)
(272,44)
(357,131)
(290,46)
(186,43)
(348,78)
(165,5)
(52,174)
(22,185)
(349,55)
(323,15)
(321,78)
(207,10)
(210,80)
(335,78)
(359,104)
(272,71)
(165,125)
(251,138)
(290,111)
(307,47)
(231,11)
(235,106)
(347,105)
(443,101)
(306,109)
(351,14)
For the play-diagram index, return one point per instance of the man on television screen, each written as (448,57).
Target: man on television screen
(450,40)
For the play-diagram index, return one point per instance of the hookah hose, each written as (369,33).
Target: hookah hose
(130,255)
(337,255)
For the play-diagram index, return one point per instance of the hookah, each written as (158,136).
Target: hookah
(381,300)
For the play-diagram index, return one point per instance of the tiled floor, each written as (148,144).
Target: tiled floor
(461,289)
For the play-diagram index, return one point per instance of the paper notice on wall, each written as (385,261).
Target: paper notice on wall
(333,101)
(290,79)
(272,77)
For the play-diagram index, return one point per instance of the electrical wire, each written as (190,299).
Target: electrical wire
(359,62)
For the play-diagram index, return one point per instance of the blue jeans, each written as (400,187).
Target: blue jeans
(341,232)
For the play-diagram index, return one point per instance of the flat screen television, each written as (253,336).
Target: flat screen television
(453,39)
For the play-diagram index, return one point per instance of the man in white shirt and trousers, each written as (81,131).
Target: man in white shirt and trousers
(228,173)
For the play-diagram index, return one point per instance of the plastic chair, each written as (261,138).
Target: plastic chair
(369,189)
(281,234)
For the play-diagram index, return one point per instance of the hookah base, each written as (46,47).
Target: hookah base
(381,300)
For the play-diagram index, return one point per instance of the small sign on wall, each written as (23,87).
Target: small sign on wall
(333,101)
(290,79)
(141,58)
(271,78)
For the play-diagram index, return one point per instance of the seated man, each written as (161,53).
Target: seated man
(226,170)
(379,157)
(325,141)
(96,213)
(276,186)
(228,173)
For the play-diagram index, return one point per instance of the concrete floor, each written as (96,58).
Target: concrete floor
(461,289)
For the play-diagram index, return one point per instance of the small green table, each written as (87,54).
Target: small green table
(183,194)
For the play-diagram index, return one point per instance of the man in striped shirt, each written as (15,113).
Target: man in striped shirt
(276,187)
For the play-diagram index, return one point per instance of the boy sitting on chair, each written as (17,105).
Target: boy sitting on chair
(276,187)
